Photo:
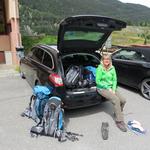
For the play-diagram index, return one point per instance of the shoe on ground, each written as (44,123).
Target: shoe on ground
(105,130)
(114,114)
(121,125)
(122,106)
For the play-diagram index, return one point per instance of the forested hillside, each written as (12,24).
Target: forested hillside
(43,16)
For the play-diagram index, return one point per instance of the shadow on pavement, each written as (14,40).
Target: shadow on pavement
(105,107)
(131,89)
(137,91)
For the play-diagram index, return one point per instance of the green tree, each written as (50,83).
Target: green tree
(145,35)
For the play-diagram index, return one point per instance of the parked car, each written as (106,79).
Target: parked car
(79,38)
(133,68)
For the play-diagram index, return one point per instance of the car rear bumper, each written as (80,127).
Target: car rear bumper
(81,98)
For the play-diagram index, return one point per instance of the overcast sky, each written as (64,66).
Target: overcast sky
(142,2)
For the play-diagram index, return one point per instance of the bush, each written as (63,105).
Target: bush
(30,41)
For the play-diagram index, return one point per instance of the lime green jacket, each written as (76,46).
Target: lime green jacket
(106,79)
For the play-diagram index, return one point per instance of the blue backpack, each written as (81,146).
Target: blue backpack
(41,95)
(47,111)
(38,100)
(93,72)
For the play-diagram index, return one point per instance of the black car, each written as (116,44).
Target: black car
(79,39)
(133,68)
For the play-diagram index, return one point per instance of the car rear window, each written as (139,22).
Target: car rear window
(83,35)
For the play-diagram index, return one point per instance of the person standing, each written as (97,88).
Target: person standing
(106,83)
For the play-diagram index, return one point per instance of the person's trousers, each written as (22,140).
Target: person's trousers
(117,100)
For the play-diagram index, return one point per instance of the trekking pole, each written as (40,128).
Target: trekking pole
(75,134)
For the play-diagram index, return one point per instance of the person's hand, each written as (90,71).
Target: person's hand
(112,91)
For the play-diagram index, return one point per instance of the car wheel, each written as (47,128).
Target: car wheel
(145,88)
(37,83)
(22,75)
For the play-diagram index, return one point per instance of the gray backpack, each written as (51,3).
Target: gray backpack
(53,117)
(53,122)
(72,76)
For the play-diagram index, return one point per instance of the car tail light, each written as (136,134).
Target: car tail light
(56,80)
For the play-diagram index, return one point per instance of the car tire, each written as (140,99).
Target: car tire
(145,88)
(37,82)
(22,75)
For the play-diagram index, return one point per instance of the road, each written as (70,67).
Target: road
(14,130)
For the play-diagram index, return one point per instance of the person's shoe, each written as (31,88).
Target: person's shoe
(114,114)
(122,106)
(105,130)
(121,125)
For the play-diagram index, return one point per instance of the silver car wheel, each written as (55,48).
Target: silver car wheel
(145,88)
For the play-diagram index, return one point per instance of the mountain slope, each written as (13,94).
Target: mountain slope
(42,16)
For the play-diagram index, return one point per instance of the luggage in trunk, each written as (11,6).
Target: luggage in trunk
(72,76)
(79,70)
(79,77)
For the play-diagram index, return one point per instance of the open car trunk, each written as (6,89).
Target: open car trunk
(85,33)
(85,62)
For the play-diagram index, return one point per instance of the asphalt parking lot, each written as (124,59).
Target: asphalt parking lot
(14,130)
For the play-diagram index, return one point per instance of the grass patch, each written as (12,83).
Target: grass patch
(17,68)
(48,40)
(30,41)
(128,36)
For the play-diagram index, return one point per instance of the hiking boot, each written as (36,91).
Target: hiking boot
(114,114)
(105,130)
(122,106)
(121,125)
